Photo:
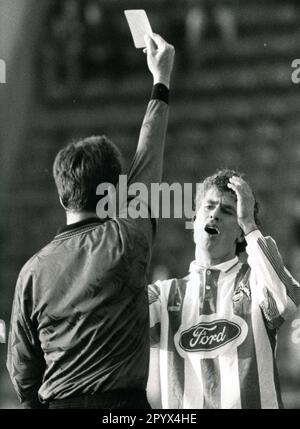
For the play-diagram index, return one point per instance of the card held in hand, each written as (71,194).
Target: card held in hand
(139,26)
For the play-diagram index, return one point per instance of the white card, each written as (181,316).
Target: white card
(139,26)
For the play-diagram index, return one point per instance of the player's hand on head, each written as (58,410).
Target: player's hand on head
(160,58)
(245,203)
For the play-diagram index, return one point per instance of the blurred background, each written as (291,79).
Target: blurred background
(72,71)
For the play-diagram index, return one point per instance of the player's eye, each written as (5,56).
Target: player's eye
(229,211)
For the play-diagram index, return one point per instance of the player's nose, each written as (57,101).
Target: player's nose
(215,213)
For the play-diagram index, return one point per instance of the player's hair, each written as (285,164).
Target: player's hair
(81,166)
(220,180)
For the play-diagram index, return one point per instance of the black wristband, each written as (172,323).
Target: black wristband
(160,92)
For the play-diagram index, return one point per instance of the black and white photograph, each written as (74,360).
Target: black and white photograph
(150,207)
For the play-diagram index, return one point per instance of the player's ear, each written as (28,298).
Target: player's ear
(62,204)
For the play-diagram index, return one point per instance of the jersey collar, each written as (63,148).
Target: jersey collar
(224,266)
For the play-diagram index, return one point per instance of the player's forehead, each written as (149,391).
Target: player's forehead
(215,195)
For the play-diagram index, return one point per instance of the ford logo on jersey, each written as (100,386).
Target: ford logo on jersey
(207,336)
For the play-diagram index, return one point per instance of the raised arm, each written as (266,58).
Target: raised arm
(147,164)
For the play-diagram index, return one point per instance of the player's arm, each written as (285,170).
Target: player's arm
(25,362)
(276,290)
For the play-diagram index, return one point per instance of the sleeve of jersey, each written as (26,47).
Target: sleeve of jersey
(154,296)
(25,362)
(146,167)
(277,291)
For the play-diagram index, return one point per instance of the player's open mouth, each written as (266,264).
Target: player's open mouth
(212,230)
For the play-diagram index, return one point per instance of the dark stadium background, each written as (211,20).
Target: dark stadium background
(72,71)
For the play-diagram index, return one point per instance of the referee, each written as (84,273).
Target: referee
(79,333)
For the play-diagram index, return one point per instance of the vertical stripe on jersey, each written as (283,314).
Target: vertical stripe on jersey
(210,367)
(201,293)
(230,383)
(229,368)
(175,361)
(193,384)
(247,363)
(272,338)
(265,365)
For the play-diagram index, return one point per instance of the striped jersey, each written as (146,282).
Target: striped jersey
(216,330)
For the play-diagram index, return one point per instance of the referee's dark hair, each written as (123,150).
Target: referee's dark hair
(220,180)
(81,166)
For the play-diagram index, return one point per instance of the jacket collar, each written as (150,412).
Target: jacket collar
(80,226)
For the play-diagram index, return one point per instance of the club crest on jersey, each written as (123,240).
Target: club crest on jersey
(242,291)
(211,336)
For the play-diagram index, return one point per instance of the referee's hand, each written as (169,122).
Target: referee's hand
(160,58)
